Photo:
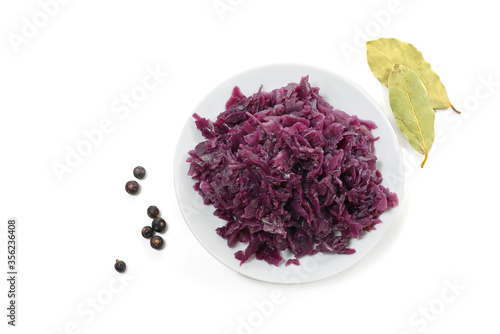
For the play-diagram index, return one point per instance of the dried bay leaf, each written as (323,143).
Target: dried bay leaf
(383,53)
(412,108)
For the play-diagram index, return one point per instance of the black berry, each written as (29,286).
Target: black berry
(120,266)
(159,224)
(147,232)
(132,187)
(139,172)
(153,211)
(156,242)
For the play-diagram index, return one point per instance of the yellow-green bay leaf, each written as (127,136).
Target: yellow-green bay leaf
(412,109)
(383,53)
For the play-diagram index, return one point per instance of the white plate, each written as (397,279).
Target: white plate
(341,93)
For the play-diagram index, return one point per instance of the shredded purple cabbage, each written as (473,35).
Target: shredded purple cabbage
(286,170)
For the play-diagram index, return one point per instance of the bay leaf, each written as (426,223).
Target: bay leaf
(412,108)
(383,53)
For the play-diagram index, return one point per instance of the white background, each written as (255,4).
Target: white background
(65,78)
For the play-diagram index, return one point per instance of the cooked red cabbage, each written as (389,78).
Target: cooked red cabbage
(285,170)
